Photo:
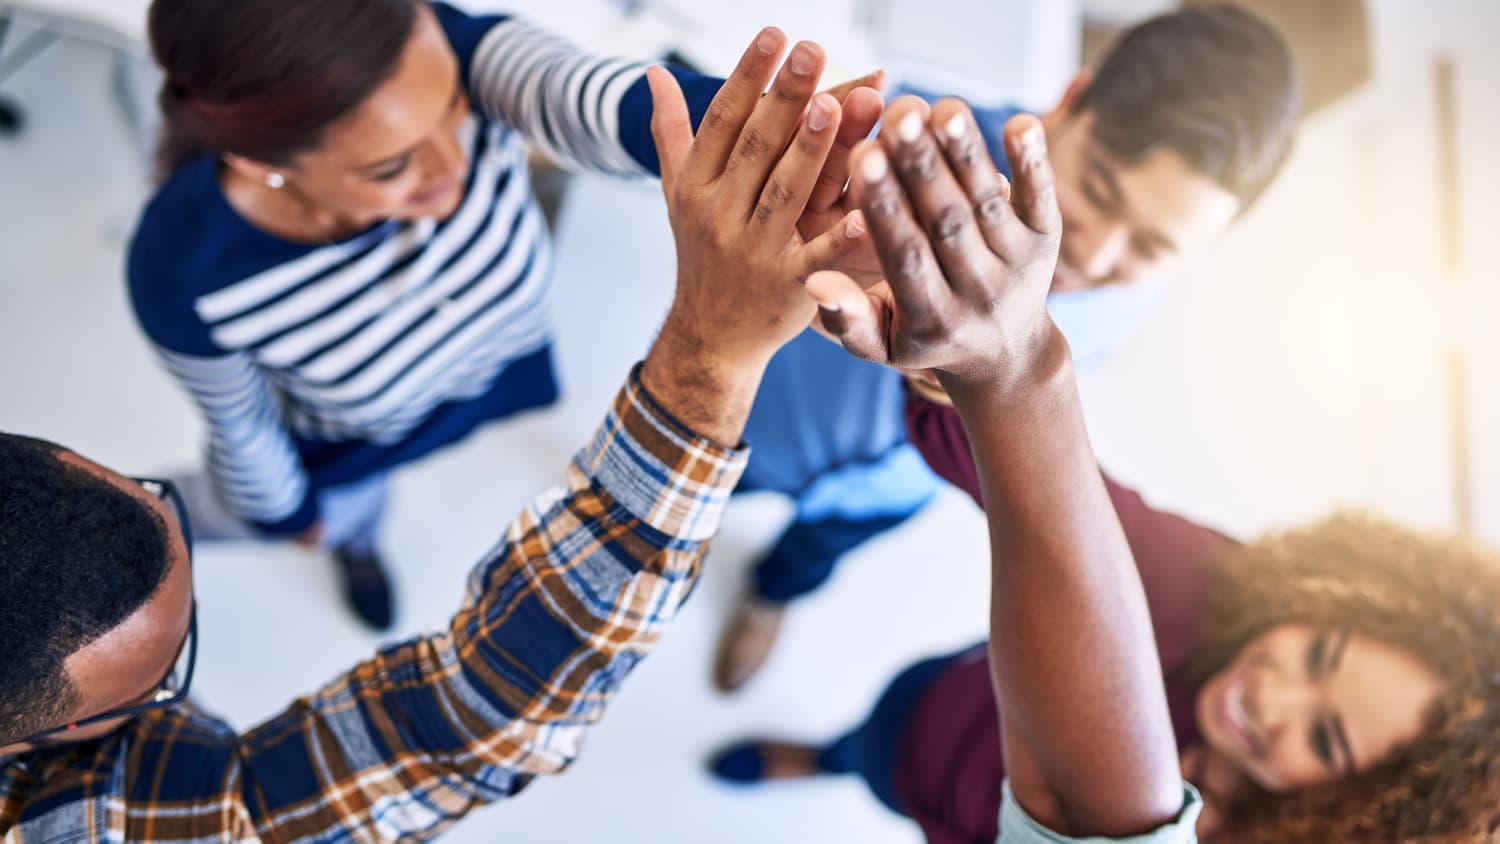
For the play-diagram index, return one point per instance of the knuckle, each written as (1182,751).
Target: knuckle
(809,144)
(883,202)
(716,116)
(779,194)
(947,226)
(964,152)
(752,144)
(919,164)
(786,91)
(910,261)
(991,206)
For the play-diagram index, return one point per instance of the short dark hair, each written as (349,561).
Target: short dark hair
(265,78)
(78,556)
(1215,85)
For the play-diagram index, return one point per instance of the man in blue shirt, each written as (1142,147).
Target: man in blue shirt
(1184,123)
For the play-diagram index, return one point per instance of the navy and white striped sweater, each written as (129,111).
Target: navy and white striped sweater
(320,365)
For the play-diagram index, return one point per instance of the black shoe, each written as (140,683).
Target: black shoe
(367,590)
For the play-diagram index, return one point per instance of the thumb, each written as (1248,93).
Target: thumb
(671,125)
(856,318)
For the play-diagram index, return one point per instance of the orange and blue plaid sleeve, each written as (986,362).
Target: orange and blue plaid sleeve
(578,591)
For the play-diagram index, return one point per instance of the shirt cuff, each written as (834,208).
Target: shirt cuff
(299,522)
(1017,827)
(658,469)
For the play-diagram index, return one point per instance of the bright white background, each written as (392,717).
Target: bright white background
(1295,367)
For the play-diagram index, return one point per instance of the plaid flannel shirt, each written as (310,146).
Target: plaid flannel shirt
(580,588)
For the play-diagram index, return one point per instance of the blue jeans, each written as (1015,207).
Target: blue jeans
(840,511)
(829,431)
(349,514)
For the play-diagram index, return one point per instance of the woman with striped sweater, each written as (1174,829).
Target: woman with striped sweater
(345,265)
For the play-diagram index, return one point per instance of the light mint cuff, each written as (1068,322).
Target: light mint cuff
(1016,827)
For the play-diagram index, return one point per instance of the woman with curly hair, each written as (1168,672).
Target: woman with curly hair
(1339,682)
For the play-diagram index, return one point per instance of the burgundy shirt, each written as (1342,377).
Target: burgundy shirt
(950,769)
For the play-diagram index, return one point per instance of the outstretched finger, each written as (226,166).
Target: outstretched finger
(941,206)
(862,108)
(846,240)
(733,105)
(774,124)
(1033,193)
(969,158)
(905,255)
(792,180)
(859,319)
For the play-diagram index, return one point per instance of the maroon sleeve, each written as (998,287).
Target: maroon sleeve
(1175,556)
(938,433)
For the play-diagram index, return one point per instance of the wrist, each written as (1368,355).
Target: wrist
(1043,367)
(704,385)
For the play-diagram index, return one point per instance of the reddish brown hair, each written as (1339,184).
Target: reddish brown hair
(264,78)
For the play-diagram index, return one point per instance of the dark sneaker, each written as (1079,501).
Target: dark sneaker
(367,590)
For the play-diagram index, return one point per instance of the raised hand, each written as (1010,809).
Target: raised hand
(735,194)
(967,260)
(830,201)
(1087,737)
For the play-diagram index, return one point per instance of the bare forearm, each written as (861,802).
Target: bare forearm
(1070,633)
(703,389)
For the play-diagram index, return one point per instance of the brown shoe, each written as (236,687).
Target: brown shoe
(746,642)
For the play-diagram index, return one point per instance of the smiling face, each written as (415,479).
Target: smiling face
(1301,706)
(126,665)
(1125,221)
(396,156)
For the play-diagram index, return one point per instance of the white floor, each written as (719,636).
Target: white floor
(1298,370)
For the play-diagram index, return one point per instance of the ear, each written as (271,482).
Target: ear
(1068,105)
(250,169)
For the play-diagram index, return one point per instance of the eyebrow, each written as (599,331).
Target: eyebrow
(1116,198)
(458,93)
(1340,644)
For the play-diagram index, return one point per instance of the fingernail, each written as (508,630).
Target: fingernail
(874,166)
(856,227)
(1032,139)
(910,127)
(803,61)
(830,308)
(955,127)
(767,42)
(819,115)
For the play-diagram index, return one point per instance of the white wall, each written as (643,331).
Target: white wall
(1299,364)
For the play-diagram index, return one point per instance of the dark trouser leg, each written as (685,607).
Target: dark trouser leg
(805,556)
(872,749)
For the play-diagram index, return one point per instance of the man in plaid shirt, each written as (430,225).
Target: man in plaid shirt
(96,746)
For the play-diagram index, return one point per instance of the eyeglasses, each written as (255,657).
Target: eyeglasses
(173,688)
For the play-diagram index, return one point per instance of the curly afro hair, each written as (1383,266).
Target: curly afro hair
(77,557)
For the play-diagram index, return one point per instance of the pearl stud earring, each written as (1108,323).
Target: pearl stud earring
(275,181)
